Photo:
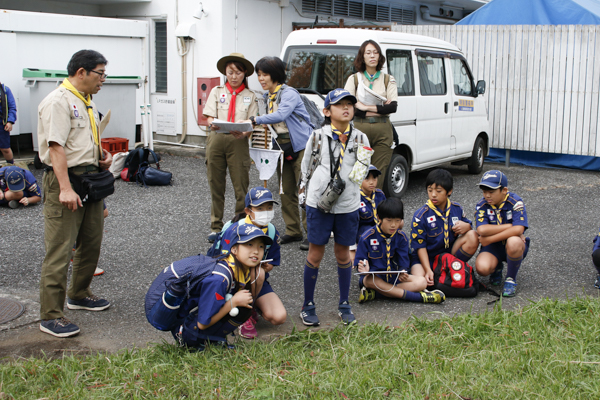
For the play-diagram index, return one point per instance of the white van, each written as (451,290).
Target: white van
(441,116)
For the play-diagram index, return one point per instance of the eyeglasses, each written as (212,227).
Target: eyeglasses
(371,53)
(102,74)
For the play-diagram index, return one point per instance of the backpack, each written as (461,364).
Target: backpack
(200,266)
(454,277)
(316,118)
(216,248)
(135,158)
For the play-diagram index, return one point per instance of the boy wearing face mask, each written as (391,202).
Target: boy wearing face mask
(259,212)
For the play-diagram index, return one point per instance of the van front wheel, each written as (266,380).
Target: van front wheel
(476,161)
(396,180)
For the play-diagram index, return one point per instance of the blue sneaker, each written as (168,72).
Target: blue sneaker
(309,315)
(496,276)
(345,313)
(597,283)
(91,303)
(59,327)
(510,288)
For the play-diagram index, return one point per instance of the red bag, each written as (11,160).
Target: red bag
(454,277)
(124,174)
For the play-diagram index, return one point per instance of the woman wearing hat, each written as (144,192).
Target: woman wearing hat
(231,102)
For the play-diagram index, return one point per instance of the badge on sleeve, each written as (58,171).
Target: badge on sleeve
(223,97)
(75,110)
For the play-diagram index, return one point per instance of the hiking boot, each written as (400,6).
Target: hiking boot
(304,245)
(366,295)
(289,239)
(212,237)
(91,303)
(496,276)
(309,315)
(13,204)
(248,328)
(597,283)
(510,287)
(59,327)
(435,296)
(98,271)
(345,313)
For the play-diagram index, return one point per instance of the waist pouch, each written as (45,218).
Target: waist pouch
(288,151)
(93,187)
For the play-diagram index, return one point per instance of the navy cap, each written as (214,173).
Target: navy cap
(15,179)
(336,95)
(373,170)
(246,232)
(494,179)
(257,196)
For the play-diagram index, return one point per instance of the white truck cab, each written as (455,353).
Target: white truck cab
(441,116)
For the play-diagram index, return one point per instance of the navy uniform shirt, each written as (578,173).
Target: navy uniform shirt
(428,229)
(512,211)
(31,186)
(366,211)
(372,246)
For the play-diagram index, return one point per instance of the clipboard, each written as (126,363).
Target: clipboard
(226,127)
(381,273)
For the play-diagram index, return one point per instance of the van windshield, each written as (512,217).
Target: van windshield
(313,69)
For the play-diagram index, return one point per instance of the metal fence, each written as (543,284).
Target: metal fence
(542,82)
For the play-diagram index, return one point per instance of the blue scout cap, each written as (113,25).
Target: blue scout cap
(336,95)
(373,170)
(259,195)
(494,179)
(246,232)
(15,179)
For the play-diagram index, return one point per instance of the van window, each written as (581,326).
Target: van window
(399,63)
(461,78)
(313,69)
(432,75)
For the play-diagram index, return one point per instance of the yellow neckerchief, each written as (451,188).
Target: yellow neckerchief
(372,201)
(249,221)
(343,138)
(444,218)
(498,210)
(272,98)
(69,86)
(388,247)
(238,275)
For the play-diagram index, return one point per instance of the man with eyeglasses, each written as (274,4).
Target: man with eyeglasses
(69,142)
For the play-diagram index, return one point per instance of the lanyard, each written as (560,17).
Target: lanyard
(445,219)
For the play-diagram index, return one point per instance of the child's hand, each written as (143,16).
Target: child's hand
(267,267)
(461,227)
(485,240)
(401,225)
(363,266)
(243,298)
(403,277)
(429,277)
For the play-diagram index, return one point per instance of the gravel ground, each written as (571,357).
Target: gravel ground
(149,228)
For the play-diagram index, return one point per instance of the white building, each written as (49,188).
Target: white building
(170,43)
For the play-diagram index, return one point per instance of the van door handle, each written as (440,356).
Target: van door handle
(446,108)
(455,103)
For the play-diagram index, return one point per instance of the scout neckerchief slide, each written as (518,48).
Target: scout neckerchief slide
(371,78)
(90,110)
(444,218)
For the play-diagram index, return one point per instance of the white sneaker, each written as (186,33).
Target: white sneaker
(99,271)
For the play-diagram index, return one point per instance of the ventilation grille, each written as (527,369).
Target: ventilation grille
(367,10)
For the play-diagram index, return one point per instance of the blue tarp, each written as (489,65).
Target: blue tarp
(546,160)
(535,12)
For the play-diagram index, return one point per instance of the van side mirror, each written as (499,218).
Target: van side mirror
(480,89)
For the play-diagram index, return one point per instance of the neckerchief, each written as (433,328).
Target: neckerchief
(272,98)
(498,210)
(88,105)
(372,78)
(388,247)
(238,275)
(343,138)
(234,93)
(444,218)
(372,201)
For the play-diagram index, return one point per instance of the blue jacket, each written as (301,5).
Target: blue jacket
(10,106)
(290,105)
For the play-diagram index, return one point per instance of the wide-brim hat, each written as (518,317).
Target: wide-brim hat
(222,63)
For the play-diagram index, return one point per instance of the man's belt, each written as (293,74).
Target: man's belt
(371,120)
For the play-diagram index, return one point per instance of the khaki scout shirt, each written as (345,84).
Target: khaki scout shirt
(279,127)
(217,105)
(63,118)
(378,86)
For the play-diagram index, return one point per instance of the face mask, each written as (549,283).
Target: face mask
(263,218)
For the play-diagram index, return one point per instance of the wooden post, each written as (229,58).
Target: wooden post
(266,148)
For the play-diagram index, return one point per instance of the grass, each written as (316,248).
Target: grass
(547,350)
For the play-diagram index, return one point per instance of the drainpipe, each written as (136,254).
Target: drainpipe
(427,17)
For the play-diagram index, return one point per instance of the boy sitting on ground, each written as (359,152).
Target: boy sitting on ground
(440,226)
(386,248)
(501,220)
(18,186)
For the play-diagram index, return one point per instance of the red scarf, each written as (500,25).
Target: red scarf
(231,113)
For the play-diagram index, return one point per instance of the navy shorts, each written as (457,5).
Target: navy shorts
(4,138)
(498,250)
(266,287)
(320,225)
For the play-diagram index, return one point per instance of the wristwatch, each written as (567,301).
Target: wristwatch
(252,120)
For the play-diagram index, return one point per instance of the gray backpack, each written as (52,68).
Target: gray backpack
(316,118)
